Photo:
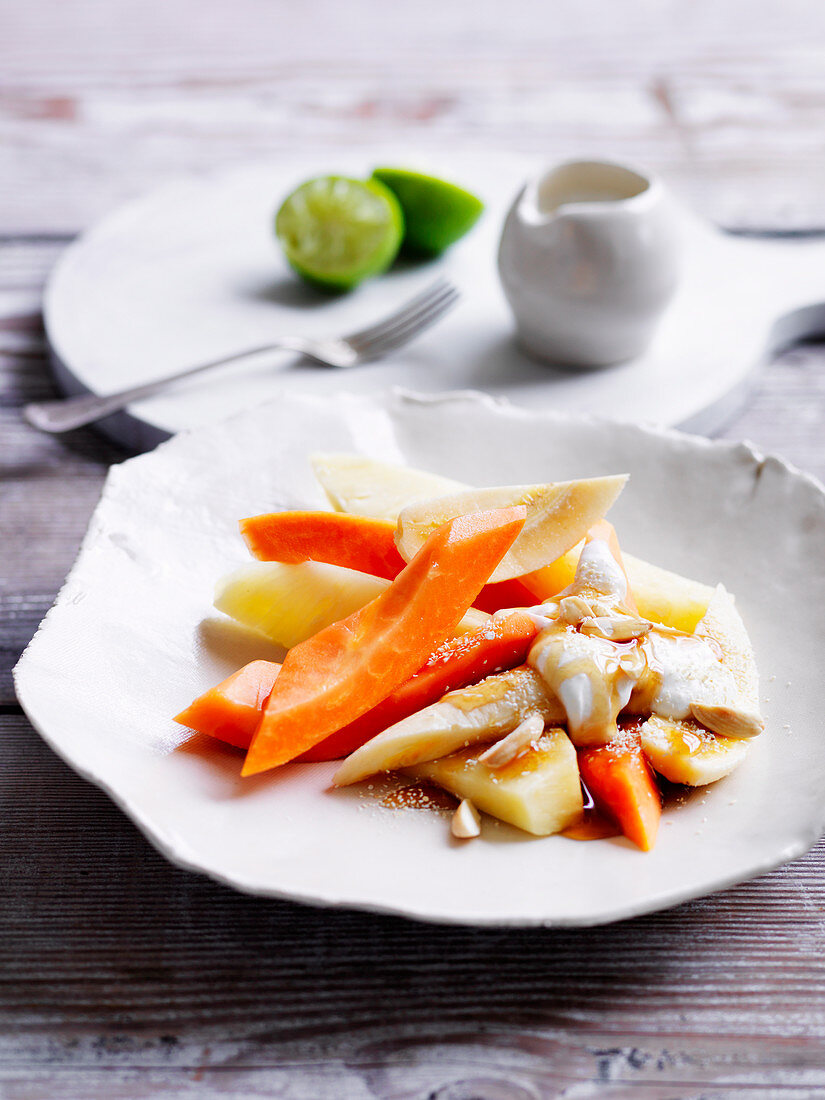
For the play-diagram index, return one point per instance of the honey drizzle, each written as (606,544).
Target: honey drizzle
(593,826)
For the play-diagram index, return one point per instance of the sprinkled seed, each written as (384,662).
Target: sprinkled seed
(727,721)
(618,628)
(572,609)
(515,743)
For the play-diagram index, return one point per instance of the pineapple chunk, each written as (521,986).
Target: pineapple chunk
(462,718)
(539,791)
(558,516)
(665,597)
(354,483)
(290,603)
(685,752)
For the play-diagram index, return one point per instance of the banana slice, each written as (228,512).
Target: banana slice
(723,624)
(685,752)
(539,792)
(462,718)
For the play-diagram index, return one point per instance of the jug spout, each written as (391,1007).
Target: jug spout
(589,183)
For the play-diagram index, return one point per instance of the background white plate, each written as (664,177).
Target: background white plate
(132,639)
(193,271)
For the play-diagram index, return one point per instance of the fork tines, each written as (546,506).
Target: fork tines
(414,317)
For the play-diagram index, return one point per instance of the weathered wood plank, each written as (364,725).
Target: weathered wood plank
(48,485)
(112,961)
(94,110)
(785,413)
(44,517)
(736,188)
(454,1073)
(121,976)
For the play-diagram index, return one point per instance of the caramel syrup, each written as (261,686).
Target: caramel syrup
(593,825)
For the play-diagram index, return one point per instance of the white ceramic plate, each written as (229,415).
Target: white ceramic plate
(192,272)
(132,639)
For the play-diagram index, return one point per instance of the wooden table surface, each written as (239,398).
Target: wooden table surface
(122,976)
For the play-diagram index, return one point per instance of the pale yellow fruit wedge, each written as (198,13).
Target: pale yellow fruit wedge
(381,490)
(376,489)
(685,752)
(723,623)
(665,597)
(558,516)
(469,716)
(539,791)
(290,603)
(551,579)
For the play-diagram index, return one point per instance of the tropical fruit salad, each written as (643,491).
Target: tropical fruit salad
(493,642)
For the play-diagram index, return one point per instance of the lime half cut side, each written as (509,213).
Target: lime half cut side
(336,231)
(436,212)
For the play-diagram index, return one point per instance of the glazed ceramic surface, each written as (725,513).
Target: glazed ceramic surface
(589,259)
(133,638)
(192,272)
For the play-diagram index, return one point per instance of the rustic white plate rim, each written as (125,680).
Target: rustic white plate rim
(174,843)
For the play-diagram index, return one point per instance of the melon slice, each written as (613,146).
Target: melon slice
(382,490)
(290,603)
(558,516)
(367,487)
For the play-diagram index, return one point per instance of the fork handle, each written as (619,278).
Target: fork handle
(66,413)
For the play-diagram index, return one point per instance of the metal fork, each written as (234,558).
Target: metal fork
(363,346)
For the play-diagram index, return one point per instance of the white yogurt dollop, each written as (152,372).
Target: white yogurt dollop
(595,677)
(689,671)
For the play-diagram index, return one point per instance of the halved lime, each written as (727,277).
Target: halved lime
(337,231)
(436,212)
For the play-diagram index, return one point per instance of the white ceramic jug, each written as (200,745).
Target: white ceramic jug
(589,259)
